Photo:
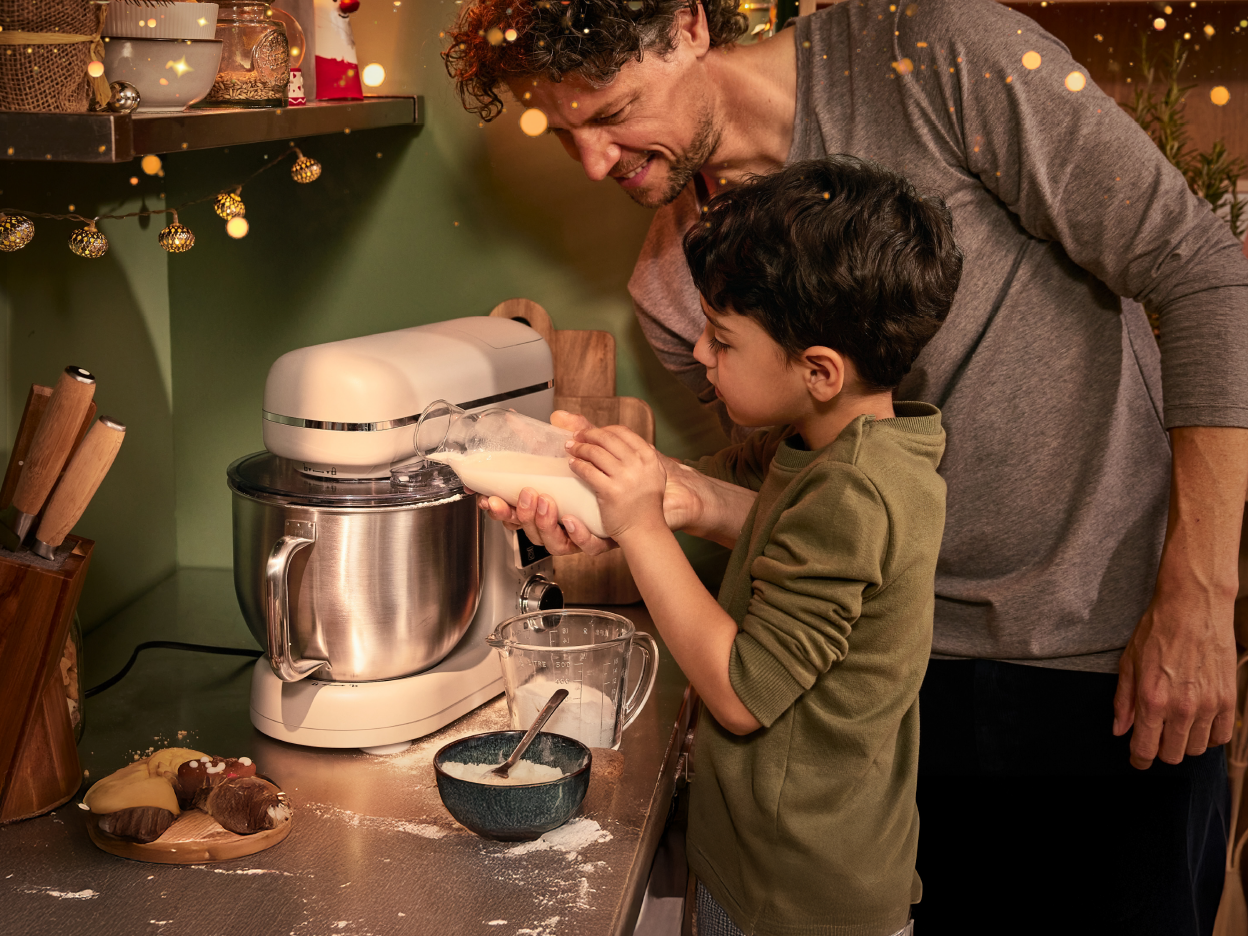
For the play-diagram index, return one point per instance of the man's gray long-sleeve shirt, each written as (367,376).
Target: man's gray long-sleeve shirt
(1058,463)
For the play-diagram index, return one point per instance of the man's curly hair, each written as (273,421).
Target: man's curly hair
(593,38)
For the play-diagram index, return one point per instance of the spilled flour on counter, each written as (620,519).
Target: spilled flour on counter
(244,871)
(570,838)
(545,928)
(377,823)
(62,895)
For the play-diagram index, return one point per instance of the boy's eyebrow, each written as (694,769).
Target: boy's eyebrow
(713,317)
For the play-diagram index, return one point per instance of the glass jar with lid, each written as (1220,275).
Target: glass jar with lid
(255,56)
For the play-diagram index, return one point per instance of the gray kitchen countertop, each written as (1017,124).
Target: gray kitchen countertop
(372,849)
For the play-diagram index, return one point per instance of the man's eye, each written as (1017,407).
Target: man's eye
(613,118)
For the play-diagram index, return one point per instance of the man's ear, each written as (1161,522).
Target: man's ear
(823,371)
(692,30)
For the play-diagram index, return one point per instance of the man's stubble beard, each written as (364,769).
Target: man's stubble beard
(705,141)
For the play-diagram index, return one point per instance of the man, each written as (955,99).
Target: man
(1076,547)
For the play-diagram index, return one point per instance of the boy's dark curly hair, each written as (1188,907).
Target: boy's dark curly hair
(593,38)
(839,252)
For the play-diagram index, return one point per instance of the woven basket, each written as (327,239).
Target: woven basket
(53,77)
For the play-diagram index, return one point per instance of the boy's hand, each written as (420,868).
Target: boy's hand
(627,474)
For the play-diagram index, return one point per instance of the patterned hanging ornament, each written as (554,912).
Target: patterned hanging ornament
(15,232)
(177,237)
(229,205)
(88,242)
(305,169)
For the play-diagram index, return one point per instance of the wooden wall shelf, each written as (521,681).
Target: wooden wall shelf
(114,138)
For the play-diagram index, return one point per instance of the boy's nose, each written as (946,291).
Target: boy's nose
(702,349)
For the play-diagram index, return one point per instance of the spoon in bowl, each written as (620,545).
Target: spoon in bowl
(542,717)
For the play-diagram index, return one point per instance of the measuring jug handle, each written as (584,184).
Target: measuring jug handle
(649,670)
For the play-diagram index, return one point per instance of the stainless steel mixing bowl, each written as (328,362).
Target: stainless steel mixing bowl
(353,581)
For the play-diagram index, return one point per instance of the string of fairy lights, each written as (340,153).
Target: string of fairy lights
(17,230)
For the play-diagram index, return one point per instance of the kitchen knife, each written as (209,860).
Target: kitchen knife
(87,468)
(81,434)
(48,452)
(36,406)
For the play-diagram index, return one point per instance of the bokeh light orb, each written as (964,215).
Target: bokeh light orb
(1031,60)
(237,227)
(1159,24)
(95,69)
(1076,81)
(1220,95)
(151,164)
(373,75)
(533,122)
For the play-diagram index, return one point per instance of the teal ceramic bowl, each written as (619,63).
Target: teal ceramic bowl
(517,813)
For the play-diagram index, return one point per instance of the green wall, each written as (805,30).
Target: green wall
(111,316)
(405,226)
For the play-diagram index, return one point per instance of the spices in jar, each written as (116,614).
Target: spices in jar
(255,56)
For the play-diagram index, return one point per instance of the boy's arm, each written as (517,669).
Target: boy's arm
(698,632)
(630,478)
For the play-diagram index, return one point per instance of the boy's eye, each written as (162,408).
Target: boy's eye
(715,344)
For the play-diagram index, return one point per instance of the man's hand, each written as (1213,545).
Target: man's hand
(1176,678)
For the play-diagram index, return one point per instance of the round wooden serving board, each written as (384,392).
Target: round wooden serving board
(194,838)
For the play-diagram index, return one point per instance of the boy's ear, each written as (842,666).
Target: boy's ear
(824,372)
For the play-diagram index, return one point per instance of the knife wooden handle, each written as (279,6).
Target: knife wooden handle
(32,415)
(82,477)
(54,439)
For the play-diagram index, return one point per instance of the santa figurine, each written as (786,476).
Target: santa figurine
(337,70)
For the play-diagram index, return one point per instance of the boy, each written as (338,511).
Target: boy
(820,285)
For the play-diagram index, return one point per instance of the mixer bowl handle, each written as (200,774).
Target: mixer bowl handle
(286,666)
(649,670)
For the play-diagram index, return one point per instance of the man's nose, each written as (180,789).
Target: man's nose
(596,153)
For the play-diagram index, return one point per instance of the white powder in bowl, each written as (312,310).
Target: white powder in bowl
(523,772)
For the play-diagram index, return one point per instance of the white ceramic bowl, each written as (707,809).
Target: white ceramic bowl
(134,19)
(170,74)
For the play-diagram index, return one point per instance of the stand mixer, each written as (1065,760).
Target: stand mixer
(369,576)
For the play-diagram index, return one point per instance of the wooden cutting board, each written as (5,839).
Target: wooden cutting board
(584,360)
(193,838)
(584,368)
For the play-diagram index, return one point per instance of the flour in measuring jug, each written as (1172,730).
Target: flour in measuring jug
(587,714)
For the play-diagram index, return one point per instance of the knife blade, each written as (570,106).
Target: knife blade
(32,415)
(86,469)
(48,452)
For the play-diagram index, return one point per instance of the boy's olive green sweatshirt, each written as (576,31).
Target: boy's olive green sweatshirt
(809,825)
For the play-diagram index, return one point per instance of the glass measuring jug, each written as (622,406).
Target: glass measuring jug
(501,452)
(585,651)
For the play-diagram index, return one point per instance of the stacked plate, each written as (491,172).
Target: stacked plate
(161,19)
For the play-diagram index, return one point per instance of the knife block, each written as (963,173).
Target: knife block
(39,767)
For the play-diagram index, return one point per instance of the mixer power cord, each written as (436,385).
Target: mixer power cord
(168,645)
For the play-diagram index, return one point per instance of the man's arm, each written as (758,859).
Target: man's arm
(1176,681)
